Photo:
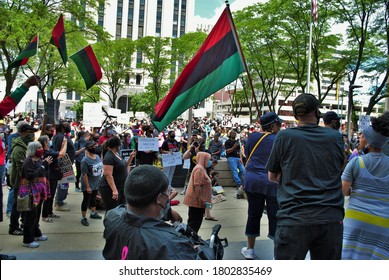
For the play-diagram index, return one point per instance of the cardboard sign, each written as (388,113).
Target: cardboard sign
(93,114)
(147,144)
(67,170)
(364,121)
(125,154)
(171,159)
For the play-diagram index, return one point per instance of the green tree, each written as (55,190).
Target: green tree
(22,20)
(156,62)
(115,60)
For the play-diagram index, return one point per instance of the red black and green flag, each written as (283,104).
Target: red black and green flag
(29,51)
(58,39)
(88,66)
(218,62)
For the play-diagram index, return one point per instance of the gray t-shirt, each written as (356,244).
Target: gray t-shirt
(93,168)
(310,160)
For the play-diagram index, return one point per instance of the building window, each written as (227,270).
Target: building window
(138,58)
(183,17)
(101,15)
(141,18)
(119,15)
(138,79)
(77,96)
(69,95)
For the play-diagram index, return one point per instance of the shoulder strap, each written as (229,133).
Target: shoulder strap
(255,147)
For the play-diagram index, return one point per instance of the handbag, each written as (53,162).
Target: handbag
(24,203)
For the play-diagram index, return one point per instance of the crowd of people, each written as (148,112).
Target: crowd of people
(298,175)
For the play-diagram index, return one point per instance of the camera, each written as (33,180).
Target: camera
(196,144)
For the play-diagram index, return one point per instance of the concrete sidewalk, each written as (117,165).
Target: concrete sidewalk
(69,240)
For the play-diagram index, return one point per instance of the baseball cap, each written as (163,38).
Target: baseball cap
(304,104)
(27,128)
(90,144)
(269,118)
(330,116)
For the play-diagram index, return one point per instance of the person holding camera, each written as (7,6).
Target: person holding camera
(137,230)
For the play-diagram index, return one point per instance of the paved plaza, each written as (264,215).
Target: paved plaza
(69,240)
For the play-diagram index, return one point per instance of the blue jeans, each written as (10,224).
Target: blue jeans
(10,200)
(62,193)
(234,164)
(324,242)
(169,172)
(256,203)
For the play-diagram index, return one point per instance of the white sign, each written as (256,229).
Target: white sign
(123,118)
(363,122)
(93,114)
(186,164)
(114,112)
(148,144)
(171,159)
(198,113)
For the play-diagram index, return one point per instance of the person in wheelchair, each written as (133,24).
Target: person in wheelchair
(138,230)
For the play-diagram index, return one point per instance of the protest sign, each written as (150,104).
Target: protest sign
(171,159)
(67,170)
(186,164)
(148,144)
(125,154)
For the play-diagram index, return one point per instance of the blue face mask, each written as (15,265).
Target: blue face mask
(209,163)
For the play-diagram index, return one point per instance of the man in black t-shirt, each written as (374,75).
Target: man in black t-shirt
(307,162)
(234,159)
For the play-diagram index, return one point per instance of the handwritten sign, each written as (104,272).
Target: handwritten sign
(171,159)
(93,114)
(364,121)
(67,170)
(125,154)
(186,164)
(148,144)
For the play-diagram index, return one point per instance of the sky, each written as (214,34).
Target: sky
(208,11)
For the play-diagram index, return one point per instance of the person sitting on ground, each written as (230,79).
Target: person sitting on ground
(136,231)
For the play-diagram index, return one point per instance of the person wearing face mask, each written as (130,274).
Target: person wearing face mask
(147,157)
(169,146)
(138,230)
(79,146)
(331,120)
(63,130)
(33,179)
(91,168)
(307,163)
(18,156)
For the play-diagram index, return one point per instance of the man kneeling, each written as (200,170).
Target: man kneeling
(137,231)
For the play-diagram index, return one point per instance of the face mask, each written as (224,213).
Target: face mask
(67,129)
(29,138)
(93,150)
(172,136)
(39,152)
(128,140)
(164,214)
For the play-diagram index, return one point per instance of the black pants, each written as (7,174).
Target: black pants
(106,196)
(89,199)
(31,224)
(15,214)
(47,208)
(324,242)
(195,218)
(78,173)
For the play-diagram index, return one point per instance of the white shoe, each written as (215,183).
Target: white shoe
(31,245)
(41,238)
(248,254)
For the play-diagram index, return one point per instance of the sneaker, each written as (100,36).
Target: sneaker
(78,190)
(31,245)
(41,238)
(95,216)
(84,222)
(16,231)
(62,208)
(248,254)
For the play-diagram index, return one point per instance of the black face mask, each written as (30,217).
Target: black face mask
(93,150)
(96,139)
(67,129)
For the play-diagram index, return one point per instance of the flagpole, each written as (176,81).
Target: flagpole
(309,52)
(242,57)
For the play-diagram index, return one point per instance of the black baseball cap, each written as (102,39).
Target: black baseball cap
(330,116)
(27,128)
(304,104)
